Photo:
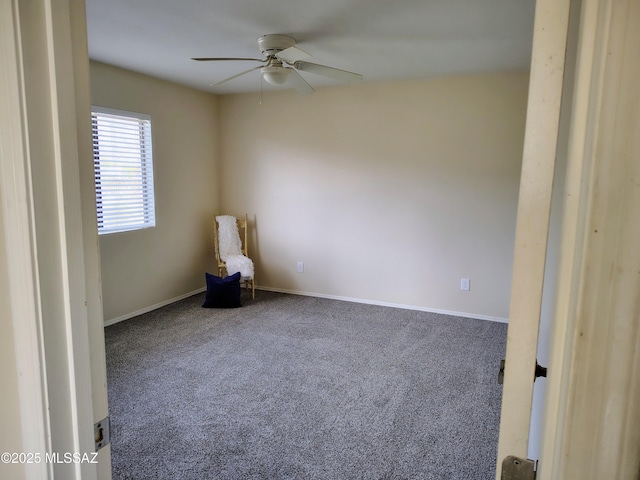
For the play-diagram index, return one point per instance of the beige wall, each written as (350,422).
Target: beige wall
(387,192)
(148,267)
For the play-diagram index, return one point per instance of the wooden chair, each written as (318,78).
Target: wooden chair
(222,267)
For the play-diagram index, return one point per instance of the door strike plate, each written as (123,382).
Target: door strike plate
(515,468)
(101,433)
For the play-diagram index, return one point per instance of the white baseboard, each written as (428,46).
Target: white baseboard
(387,304)
(312,294)
(152,307)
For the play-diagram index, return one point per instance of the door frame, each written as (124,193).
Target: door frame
(51,245)
(593,399)
(29,379)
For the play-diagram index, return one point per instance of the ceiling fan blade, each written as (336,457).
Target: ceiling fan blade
(235,76)
(292,54)
(336,73)
(218,59)
(300,84)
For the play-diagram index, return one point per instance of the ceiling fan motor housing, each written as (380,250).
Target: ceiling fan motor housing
(271,44)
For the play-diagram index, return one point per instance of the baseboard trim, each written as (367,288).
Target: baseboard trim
(127,316)
(386,304)
(313,294)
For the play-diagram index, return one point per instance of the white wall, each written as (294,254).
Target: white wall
(387,192)
(148,267)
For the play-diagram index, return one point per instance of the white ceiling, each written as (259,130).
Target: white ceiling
(380,39)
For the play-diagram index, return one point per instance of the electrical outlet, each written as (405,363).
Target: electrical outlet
(465,284)
(300,267)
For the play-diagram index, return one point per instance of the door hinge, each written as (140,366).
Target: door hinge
(538,372)
(516,468)
(101,433)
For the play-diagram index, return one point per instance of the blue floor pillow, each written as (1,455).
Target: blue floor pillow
(222,292)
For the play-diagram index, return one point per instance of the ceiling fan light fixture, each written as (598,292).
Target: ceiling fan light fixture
(275,75)
(280,50)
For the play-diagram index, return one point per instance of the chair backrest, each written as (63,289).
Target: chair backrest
(242,231)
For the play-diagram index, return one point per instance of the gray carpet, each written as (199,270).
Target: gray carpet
(293,387)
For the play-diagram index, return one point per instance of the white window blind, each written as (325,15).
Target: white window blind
(123,168)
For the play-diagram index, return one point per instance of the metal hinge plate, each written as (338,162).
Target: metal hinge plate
(501,372)
(101,433)
(515,468)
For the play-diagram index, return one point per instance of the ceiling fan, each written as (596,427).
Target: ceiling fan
(282,62)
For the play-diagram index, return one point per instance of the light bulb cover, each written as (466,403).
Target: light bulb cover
(275,75)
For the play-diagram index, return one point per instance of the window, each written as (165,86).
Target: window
(123,169)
